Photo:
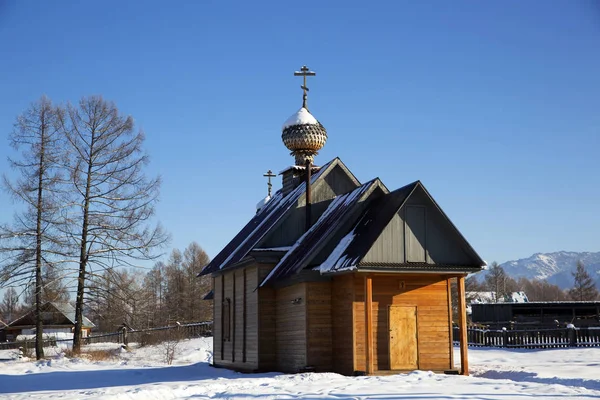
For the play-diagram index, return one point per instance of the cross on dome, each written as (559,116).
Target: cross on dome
(304,72)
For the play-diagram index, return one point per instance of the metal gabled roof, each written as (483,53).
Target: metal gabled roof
(67,310)
(353,247)
(261,224)
(308,245)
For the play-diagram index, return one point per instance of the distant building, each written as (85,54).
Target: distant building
(538,314)
(56,318)
(490,297)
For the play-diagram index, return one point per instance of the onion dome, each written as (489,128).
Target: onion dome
(302,134)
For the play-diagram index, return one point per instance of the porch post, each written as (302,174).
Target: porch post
(462,321)
(369,323)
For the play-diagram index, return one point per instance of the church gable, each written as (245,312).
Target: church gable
(335,181)
(420,233)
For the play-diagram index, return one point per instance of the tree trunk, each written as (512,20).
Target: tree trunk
(39,333)
(82,259)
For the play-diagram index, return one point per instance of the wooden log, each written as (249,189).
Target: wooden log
(462,321)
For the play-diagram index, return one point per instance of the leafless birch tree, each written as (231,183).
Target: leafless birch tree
(32,240)
(114,201)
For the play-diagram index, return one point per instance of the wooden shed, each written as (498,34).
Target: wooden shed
(332,274)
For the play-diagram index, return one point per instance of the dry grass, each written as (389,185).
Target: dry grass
(93,355)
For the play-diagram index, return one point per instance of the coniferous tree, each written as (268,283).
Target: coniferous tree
(114,202)
(34,239)
(584,288)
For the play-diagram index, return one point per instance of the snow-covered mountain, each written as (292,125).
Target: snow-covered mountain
(554,267)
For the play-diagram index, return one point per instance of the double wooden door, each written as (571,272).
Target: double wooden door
(403,337)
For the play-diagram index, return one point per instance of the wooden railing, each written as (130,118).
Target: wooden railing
(531,338)
(145,336)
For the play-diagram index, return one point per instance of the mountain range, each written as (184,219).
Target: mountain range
(556,267)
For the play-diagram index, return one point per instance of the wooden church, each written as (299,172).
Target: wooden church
(332,274)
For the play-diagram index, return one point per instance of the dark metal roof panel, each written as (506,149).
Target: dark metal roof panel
(258,226)
(304,249)
(353,247)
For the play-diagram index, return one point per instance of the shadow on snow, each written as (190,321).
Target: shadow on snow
(95,379)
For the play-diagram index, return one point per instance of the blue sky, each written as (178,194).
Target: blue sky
(494,106)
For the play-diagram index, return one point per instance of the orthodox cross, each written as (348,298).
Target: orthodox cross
(270,175)
(304,72)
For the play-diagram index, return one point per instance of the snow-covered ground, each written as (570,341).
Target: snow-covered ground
(143,374)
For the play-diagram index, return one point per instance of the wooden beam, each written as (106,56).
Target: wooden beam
(244,317)
(462,321)
(233,320)
(451,344)
(222,300)
(369,323)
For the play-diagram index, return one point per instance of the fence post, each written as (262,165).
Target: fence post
(504,337)
(125,339)
(572,336)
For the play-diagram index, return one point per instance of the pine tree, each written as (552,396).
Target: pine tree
(584,288)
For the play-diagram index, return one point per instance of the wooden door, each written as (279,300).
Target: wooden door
(403,337)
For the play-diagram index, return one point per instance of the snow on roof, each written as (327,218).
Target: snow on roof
(337,262)
(259,225)
(262,203)
(490,297)
(282,248)
(300,117)
(319,230)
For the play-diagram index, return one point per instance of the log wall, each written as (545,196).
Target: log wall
(429,293)
(318,326)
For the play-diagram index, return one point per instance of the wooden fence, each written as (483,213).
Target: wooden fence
(532,338)
(125,336)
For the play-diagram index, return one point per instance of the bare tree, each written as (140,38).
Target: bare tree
(114,201)
(584,288)
(33,240)
(154,287)
(10,304)
(500,284)
(540,290)
(194,259)
(53,287)
(115,298)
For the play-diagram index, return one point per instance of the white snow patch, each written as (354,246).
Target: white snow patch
(496,374)
(300,117)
